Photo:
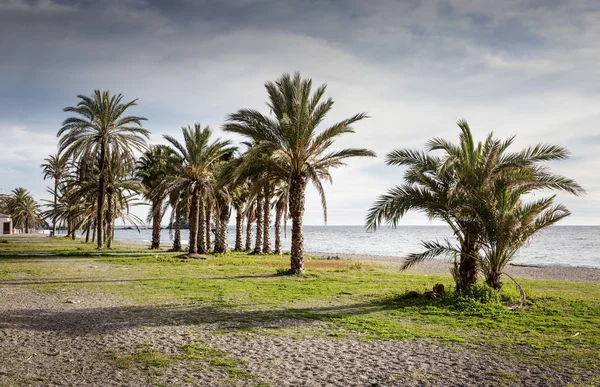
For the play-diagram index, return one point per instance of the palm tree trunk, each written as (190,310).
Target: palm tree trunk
(156,218)
(94,231)
(297,200)
(267,220)
(467,268)
(249,221)
(208,229)
(222,228)
(201,240)
(87,235)
(55,205)
(259,224)
(239,227)
(101,188)
(194,220)
(494,280)
(278,216)
(109,218)
(177,240)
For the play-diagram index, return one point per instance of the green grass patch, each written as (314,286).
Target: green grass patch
(142,358)
(216,358)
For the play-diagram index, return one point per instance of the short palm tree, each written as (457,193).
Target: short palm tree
(292,137)
(55,167)
(449,186)
(24,210)
(508,222)
(99,130)
(196,158)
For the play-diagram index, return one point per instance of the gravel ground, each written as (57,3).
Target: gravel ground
(66,339)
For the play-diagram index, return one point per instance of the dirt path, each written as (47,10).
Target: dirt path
(68,339)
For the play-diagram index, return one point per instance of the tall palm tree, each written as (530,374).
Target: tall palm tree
(292,137)
(55,167)
(151,168)
(100,130)
(197,156)
(446,187)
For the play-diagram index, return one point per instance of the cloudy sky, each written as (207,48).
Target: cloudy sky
(528,68)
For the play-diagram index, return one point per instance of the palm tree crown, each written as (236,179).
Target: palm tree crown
(99,131)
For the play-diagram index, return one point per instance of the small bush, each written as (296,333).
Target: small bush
(482,293)
(479,300)
(3,240)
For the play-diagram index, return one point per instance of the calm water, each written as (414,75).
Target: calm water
(559,245)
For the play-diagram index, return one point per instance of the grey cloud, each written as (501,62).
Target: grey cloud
(519,67)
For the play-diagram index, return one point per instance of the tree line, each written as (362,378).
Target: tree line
(480,189)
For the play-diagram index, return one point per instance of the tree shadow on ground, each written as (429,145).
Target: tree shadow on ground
(67,281)
(103,320)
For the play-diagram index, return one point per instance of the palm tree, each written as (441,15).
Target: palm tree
(507,223)
(239,198)
(151,169)
(292,138)
(446,187)
(121,189)
(55,167)
(100,130)
(196,156)
(178,201)
(24,210)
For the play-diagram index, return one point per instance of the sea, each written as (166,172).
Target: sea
(557,245)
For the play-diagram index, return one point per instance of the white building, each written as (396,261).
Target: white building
(6,226)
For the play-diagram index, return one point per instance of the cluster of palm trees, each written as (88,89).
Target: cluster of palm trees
(480,190)
(24,211)
(201,179)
